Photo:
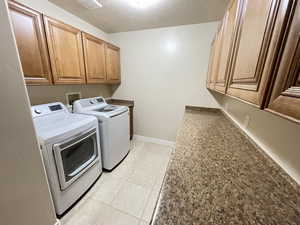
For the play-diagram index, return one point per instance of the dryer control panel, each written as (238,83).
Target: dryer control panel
(41,110)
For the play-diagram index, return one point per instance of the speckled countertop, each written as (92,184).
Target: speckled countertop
(128,103)
(218,176)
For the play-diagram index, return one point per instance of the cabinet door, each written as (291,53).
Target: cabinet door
(215,54)
(209,81)
(31,42)
(228,39)
(66,53)
(258,40)
(285,98)
(94,55)
(113,71)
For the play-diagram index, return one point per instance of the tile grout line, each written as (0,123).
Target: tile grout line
(157,182)
(128,214)
(150,189)
(126,180)
(148,200)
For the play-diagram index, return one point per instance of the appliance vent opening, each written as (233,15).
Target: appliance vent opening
(90,4)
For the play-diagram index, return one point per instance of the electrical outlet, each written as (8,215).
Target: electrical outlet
(247,121)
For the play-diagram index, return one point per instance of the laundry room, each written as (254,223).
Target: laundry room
(149,112)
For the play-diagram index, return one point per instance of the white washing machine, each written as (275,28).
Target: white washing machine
(71,152)
(114,128)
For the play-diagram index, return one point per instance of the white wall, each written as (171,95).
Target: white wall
(278,137)
(45,94)
(162,71)
(50,9)
(24,195)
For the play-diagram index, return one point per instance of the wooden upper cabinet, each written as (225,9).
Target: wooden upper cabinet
(215,57)
(209,81)
(230,22)
(31,42)
(285,95)
(94,55)
(113,70)
(258,38)
(66,52)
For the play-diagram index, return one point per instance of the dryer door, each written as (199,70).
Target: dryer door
(75,156)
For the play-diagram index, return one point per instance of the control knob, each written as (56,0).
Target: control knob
(37,111)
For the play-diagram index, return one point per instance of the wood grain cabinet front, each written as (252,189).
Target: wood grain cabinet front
(230,23)
(214,64)
(66,52)
(209,81)
(285,93)
(113,67)
(94,57)
(258,41)
(31,42)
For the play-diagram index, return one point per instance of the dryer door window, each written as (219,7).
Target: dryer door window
(75,156)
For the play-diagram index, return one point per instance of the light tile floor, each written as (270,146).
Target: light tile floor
(127,195)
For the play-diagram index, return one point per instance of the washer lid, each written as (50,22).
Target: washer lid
(108,108)
(98,107)
(100,113)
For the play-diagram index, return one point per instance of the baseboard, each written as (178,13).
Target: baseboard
(57,222)
(154,140)
(263,147)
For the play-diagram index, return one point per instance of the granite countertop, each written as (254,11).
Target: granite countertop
(218,176)
(128,103)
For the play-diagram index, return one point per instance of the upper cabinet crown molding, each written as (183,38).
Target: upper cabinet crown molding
(30,36)
(94,55)
(66,52)
(258,39)
(113,67)
(285,94)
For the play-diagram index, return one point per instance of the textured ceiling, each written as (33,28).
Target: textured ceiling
(120,16)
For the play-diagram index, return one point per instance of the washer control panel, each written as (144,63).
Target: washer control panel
(88,102)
